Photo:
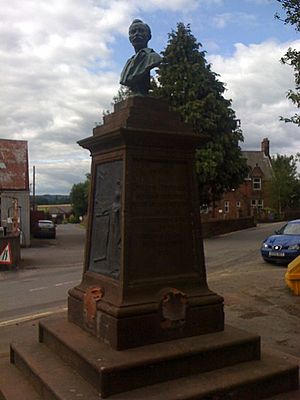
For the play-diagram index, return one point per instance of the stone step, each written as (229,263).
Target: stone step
(253,380)
(14,385)
(111,371)
(50,377)
(53,380)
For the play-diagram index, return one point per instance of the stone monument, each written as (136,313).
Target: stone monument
(144,267)
(143,324)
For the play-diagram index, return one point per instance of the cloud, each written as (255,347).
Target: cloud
(257,83)
(57,175)
(59,71)
(259,2)
(57,74)
(211,45)
(220,21)
(174,5)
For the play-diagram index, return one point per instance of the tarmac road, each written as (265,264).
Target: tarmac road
(255,293)
(49,268)
(256,298)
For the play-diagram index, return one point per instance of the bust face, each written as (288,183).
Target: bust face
(138,35)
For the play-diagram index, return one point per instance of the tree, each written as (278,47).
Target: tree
(292,57)
(188,83)
(79,197)
(122,94)
(285,184)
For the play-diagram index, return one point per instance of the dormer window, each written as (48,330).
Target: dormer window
(256,183)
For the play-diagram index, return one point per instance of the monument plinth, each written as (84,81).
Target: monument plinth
(144,284)
(144,279)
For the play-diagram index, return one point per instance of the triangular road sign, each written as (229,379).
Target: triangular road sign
(5,255)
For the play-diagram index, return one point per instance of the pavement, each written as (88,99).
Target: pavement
(65,251)
(239,312)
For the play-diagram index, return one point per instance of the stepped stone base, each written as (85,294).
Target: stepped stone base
(68,363)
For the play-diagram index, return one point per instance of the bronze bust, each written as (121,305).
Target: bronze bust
(136,73)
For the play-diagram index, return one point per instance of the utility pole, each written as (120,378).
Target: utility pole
(33,188)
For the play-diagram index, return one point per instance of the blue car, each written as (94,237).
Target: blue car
(284,246)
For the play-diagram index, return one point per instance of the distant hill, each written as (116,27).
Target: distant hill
(51,199)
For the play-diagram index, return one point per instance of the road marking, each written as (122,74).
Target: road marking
(30,317)
(66,283)
(38,288)
(55,285)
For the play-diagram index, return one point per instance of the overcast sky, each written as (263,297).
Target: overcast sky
(60,62)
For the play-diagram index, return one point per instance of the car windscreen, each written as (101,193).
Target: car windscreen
(45,223)
(291,229)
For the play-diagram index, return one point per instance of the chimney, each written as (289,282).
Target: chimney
(265,147)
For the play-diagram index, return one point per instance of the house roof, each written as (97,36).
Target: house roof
(56,209)
(13,165)
(259,159)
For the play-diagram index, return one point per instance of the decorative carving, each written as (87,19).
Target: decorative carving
(91,297)
(173,309)
(105,255)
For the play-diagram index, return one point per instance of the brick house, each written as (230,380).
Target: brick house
(14,188)
(253,195)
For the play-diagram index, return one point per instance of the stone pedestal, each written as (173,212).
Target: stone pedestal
(144,279)
(144,284)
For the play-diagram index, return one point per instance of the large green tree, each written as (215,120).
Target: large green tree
(292,57)
(79,197)
(186,80)
(285,185)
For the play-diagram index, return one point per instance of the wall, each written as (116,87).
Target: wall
(292,214)
(219,227)
(24,207)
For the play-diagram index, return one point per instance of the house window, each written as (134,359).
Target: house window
(238,204)
(260,204)
(226,207)
(204,209)
(257,203)
(256,183)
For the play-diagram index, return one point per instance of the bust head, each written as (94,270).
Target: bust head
(136,72)
(139,34)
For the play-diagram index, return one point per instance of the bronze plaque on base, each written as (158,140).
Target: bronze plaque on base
(106,222)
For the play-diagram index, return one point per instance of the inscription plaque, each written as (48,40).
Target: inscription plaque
(162,242)
(161,188)
(105,253)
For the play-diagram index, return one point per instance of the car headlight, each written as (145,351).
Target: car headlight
(265,245)
(294,247)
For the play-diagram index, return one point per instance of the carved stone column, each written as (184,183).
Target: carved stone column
(144,278)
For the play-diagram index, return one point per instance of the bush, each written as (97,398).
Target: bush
(73,220)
